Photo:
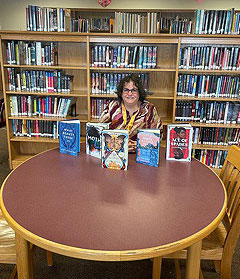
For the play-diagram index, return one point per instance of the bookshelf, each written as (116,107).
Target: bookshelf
(76,59)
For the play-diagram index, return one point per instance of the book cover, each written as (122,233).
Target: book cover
(179,142)
(94,138)
(148,147)
(115,149)
(69,137)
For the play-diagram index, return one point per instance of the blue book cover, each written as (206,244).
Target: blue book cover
(148,147)
(69,137)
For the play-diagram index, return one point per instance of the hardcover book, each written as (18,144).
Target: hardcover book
(115,149)
(69,137)
(148,147)
(179,142)
(94,138)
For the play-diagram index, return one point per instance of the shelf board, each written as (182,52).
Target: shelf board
(34,139)
(40,139)
(220,99)
(166,120)
(198,124)
(46,67)
(211,147)
(148,97)
(163,97)
(211,72)
(103,96)
(131,70)
(82,118)
(75,93)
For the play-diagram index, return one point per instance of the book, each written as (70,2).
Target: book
(148,147)
(115,149)
(179,142)
(69,137)
(94,138)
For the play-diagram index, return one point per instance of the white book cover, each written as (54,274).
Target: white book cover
(94,138)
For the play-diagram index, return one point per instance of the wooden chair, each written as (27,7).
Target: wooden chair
(7,244)
(220,244)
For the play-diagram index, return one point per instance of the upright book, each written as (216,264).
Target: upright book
(148,147)
(69,137)
(94,138)
(179,142)
(115,149)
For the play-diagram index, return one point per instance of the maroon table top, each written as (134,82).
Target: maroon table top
(74,201)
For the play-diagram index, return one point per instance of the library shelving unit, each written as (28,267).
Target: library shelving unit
(75,55)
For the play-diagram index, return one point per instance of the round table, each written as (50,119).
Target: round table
(72,206)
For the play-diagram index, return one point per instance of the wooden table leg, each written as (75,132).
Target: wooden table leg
(24,258)
(193,260)
(156,272)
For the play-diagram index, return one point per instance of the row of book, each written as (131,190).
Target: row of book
(32,53)
(141,57)
(216,136)
(101,24)
(212,158)
(216,57)
(208,112)
(106,83)
(39,81)
(47,19)
(217,22)
(135,23)
(97,107)
(34,128)
(39,106)
(208,86)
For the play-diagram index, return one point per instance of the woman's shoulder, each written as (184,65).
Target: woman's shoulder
(147,105)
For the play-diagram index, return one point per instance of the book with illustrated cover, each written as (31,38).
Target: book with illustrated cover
(69,137)
(115,149)
(94,138)
(179,142)
(148,147)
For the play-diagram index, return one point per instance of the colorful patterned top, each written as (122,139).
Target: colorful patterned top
(147,118)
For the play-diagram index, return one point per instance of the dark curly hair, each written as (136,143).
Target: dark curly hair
(136,81)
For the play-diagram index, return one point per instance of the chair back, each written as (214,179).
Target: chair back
(7,242)
(230,176)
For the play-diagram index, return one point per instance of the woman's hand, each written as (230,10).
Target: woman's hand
(131,146)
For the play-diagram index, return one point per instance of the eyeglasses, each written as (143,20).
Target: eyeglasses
(133,90)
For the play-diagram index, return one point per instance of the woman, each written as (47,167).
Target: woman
(131,111)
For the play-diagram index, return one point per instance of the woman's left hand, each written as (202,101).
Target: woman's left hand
(132,146)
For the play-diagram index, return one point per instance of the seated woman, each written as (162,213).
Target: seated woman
(131,111)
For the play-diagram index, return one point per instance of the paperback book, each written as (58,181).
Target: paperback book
(179,142)
(94,138)
(148,147)
(69,137)
(115,149)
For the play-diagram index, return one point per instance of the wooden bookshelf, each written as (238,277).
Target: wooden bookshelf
(74,58)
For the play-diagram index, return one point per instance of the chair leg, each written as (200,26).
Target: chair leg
(177,268)
(201,274)
(49,258)
(13,275)
(157,263)
(217,265)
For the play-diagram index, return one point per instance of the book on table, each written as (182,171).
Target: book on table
(148,146)
(69,137)
(115,149)
(179,142)
(94,138)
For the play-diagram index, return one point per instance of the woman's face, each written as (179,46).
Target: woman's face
(130,94)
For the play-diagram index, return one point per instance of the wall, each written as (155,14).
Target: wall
(12,12)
